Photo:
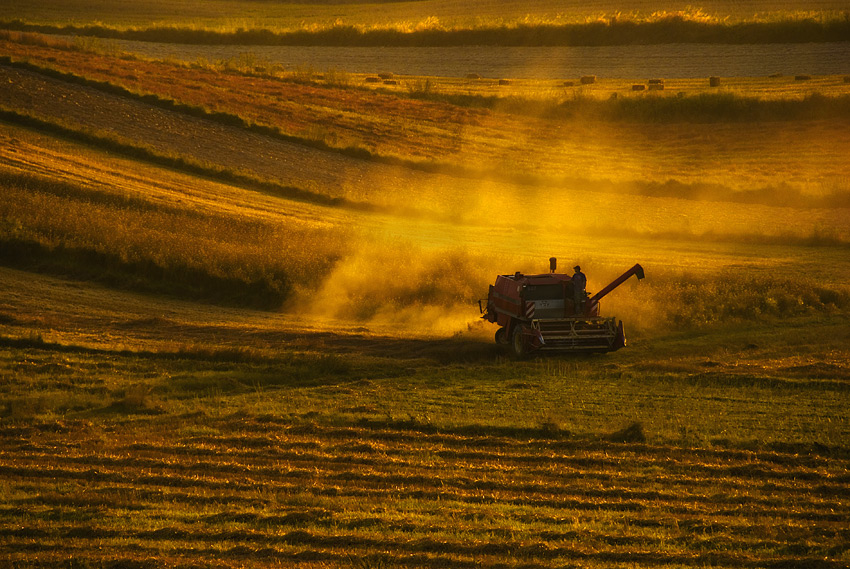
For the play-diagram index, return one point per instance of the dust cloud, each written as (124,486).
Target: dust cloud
(407,286)
(413,289)
(425,273)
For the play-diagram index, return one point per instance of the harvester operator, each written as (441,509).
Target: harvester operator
(579,281)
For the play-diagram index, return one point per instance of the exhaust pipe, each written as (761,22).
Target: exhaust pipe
(553,264)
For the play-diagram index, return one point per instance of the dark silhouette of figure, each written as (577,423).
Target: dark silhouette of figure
(579,284)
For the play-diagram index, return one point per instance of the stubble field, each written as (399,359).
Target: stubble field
(238,324)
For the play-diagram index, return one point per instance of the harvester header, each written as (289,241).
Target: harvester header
(553,312)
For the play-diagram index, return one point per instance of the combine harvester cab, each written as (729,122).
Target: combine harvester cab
(538,313)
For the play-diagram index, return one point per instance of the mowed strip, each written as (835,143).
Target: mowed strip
(282,489)
(311,175)
(171,133)
(741,154)
(215,146)
(113,176)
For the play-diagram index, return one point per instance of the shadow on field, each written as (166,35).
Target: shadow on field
(443,351)
(268,345)
(220,345)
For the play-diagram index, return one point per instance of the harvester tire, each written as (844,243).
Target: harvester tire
(502,336)
(518,345)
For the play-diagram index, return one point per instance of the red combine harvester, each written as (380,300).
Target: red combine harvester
(538,312)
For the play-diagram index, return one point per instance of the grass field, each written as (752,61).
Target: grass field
(439,22)
(229,15)
(238,321)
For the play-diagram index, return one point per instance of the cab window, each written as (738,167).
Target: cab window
(544,292)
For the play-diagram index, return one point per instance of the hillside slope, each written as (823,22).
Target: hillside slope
(324,176)
(223,346)
(723,146)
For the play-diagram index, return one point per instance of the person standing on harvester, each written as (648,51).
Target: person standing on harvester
(579,284)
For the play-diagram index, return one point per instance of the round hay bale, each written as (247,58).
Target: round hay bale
(714,81)
(638,87)
(473,76)
(656,81)
(847,78)
(372,80)
(775,75)
(390,82)
(656,86)
(385,75)
(505,81)
(587,79)
(802,77)
(569,83)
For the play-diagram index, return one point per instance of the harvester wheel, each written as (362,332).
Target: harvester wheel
(518,345)
(502,336)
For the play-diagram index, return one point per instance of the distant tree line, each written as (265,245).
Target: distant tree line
(613,32)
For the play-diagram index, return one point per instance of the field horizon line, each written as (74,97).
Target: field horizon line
(674,29)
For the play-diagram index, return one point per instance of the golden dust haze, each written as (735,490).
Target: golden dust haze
(456,193)
(239,296)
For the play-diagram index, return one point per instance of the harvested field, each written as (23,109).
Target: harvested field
(239,325)
(806,156)
(250,492)
(313,174)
